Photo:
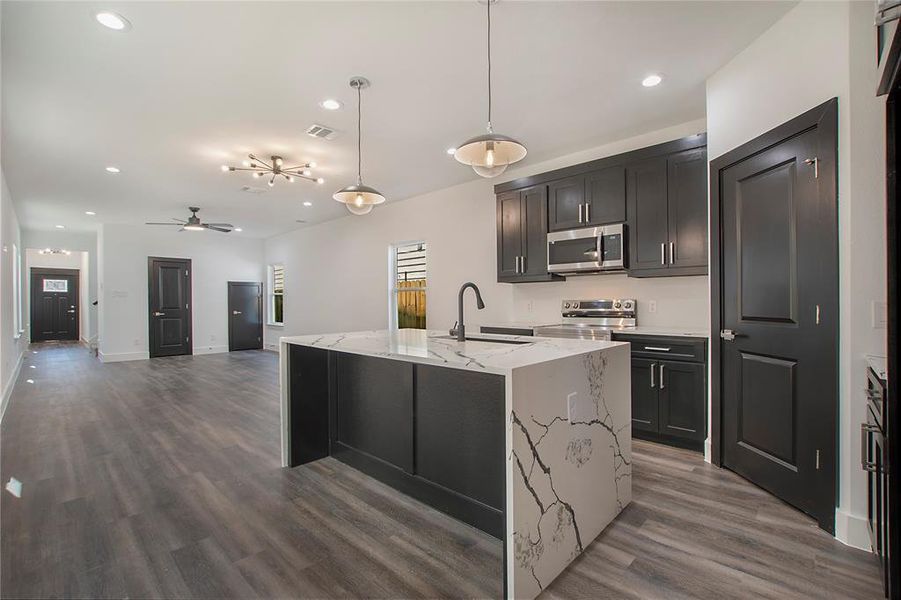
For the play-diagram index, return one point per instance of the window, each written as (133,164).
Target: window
(56,285)
(276,294)
(408,285)
(17,292)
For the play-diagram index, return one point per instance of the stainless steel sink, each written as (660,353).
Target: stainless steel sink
(486,340)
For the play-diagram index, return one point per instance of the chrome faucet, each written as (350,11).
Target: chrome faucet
(459,329)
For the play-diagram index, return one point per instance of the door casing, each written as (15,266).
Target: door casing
(823,118)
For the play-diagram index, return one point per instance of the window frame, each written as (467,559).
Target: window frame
(393,288)
(271,294)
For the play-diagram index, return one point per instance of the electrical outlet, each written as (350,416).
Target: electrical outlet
(529,306)
(652,306)
(212,338)
(137,342)
(879,314)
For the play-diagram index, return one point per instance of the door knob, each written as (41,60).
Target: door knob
(728,335)
(159,314)
(236,312)
(70,311)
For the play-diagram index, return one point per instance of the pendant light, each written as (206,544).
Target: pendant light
(491,153)
(359,199)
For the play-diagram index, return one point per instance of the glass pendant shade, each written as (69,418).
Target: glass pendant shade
(363,209)
(489,155)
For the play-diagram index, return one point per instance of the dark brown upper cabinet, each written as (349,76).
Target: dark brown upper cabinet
(667,206)
(660,192)
(597,198)
(522,236)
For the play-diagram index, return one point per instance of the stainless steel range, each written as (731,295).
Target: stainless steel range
(592,319)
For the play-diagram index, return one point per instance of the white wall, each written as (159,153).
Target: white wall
(216,259)
(76,260)
(12,344)
(325,262)
(82,242)
(818,51)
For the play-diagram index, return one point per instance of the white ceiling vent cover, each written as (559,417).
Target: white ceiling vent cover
(253,190)
(322,132)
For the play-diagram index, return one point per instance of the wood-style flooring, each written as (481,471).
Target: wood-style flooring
(161,478)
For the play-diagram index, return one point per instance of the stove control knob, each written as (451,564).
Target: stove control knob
(566,305)
(617,304)
(627,305)
(575,305)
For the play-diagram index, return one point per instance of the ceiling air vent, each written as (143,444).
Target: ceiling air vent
(253,190)
(322,132)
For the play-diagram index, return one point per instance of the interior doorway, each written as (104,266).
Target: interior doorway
(774,307)
(169,303)
(245,315)
(54,304)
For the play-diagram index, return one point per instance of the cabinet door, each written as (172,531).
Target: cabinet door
(509,235)
(687,208)
(534,230)
(647,215)
(683,393)
(565,197)
(644,394)
(606,196)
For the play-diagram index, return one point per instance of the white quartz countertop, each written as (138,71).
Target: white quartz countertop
(434,347)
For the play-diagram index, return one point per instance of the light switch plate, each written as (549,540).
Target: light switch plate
(652,306)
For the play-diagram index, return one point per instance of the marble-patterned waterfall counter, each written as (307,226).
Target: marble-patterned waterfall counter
(562,407)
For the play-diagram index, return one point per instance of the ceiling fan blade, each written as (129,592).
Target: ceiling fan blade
(229,225)
(162,223)
(208,226)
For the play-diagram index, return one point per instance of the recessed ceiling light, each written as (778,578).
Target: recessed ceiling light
(112,169)
(238,229)
(320,180)
(451,151)
(112,20)
(651,80)
(60,226)
(308,203)
(330,104)
(90,213)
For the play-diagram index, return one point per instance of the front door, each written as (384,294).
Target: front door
(779,310)
(170,306)
(245,315)
(54,304)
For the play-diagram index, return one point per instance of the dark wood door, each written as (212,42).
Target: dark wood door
(683,399)
(54,304)
(534,230)
(169,304)
(647,215)
(687,208)
(779,296)
(644,394)
(509,235)
(245,315)
(566,203)
(605,192)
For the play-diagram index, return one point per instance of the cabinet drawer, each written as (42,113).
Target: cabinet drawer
(670,348)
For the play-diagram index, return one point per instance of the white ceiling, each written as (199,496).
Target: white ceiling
(195,84)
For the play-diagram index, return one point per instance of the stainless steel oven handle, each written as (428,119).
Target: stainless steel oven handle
(865,430)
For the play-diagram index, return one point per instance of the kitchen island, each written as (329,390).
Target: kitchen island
(525,438)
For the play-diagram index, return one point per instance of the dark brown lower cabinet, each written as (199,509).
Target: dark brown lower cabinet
(669,389)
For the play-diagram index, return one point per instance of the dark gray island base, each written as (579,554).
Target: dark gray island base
(527,439)
(433,433)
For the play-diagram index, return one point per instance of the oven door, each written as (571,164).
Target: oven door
(586,250)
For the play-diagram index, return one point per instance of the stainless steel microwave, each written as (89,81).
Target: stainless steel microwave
(587,250)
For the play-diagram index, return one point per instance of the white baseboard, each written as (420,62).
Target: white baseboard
(852,530)
(209,350)
(271,347)
(8,389)
(123,356)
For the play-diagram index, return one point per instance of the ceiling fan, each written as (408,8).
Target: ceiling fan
(193,223)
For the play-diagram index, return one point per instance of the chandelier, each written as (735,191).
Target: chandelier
(276,168)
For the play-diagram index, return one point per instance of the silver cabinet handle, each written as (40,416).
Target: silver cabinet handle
(588,212)
(522,264)
(581,208)
(662,253)
(518,263)
(865,430)
(672,252)
(159,314)
(653,366)
(236,312)
(657,348)
(661,376)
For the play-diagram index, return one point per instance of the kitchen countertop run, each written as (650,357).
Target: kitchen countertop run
(428,347)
